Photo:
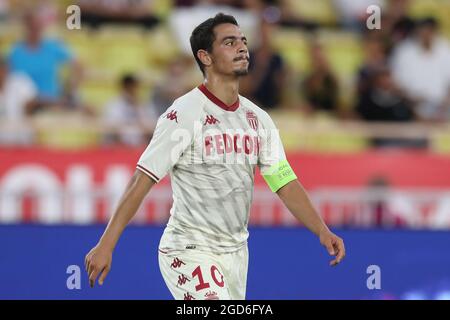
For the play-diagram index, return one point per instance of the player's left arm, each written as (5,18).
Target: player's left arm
(281,179)
(297,201)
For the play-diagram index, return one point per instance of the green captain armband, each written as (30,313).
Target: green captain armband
(279,175)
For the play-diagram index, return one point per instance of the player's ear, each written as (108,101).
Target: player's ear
(204,57)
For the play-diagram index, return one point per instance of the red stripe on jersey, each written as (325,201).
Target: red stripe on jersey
(216,100)
(148,172)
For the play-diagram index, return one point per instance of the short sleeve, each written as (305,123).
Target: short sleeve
(271,148)
(173,134)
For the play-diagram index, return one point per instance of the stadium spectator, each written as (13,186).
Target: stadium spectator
(128,116)
(382,100)
(375,56)
(99,12)
(320,87)
(17,93)
(42,59)
(17,101)
(421,67)
(379,98)
(396,23)
(265,81)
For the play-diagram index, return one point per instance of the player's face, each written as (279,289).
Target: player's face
(230,53)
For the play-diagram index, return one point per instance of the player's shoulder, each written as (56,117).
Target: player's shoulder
(188,106)
(194,98)
(260,113)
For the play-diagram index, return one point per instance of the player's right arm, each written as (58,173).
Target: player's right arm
(98,260)
(173,134)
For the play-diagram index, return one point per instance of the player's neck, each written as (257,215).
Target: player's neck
(226,91)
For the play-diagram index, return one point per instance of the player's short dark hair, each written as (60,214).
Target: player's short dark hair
(202,37)
(128,80)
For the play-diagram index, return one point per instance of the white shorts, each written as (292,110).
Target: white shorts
(196,275)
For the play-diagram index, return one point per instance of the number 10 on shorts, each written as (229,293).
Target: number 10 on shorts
(216,276)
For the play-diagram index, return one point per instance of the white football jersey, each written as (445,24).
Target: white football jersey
(210,151)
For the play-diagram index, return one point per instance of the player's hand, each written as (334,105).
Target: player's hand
(98,262)
(334,244)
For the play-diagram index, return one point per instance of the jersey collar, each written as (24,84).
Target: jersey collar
(216,100)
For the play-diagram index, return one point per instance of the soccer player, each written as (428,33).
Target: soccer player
(210,140)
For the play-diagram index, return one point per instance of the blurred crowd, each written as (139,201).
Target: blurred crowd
(403,74)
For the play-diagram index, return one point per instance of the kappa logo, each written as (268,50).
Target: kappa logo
(172,115)
(188,296)
(182,279)
(211,120)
